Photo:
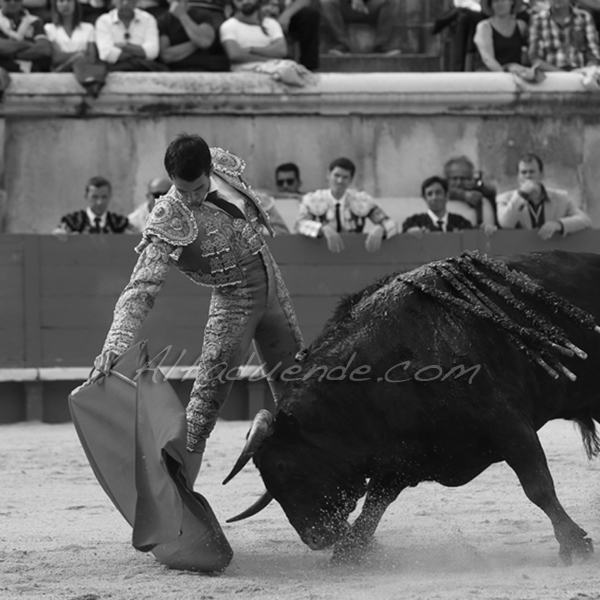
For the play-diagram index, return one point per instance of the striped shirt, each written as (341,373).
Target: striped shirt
(569,46)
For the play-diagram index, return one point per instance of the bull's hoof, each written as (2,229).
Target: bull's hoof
(582,548)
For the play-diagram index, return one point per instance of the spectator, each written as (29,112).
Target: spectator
(563,38)
(156,188)
(434,191)
(533,206)
(127,38)
(95,218)
(384,14)
(301,22)
(257,43)
(24,46)
(340,208)
(71,39)
(189,38)
(465,187)
(269,205)
(501,39)
(287,181)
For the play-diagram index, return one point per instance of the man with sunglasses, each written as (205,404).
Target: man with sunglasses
(156,188)
(24,46)
(288,182)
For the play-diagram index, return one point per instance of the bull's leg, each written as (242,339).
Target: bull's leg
(382,492)
(526,457)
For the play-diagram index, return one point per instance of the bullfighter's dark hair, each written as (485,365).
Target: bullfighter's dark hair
(431,180)
(343,163)
(97,182)
(188,157)
(531,157)
(290,166)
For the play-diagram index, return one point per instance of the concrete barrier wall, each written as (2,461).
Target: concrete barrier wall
(399,128)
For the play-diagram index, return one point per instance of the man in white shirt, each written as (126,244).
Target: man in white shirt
(127,38)
(342,209)
(533,206)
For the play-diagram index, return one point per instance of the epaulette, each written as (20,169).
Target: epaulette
(317,202)
(227,163)
(360,203)
(172,221)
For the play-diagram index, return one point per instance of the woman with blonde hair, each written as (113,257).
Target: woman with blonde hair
(71,38)
(502,37)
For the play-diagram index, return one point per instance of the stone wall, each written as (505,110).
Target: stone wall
(399,128)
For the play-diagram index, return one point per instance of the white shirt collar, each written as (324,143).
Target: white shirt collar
(435,219)
(93,216)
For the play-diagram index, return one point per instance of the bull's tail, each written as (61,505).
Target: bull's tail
(591,442)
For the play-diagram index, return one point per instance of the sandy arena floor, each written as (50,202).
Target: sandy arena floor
(60,536)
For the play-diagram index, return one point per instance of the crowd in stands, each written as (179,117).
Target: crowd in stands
(155,35)
(527,39)
(282,37)
(341,208)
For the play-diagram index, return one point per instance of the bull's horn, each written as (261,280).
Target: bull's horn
(258,431)
(261,503)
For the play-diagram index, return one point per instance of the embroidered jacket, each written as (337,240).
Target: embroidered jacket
(319,208)
(205,243)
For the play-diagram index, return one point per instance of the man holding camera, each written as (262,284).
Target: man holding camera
(533,206)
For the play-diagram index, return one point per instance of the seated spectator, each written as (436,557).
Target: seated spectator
(71,38)
(301,22)
(287,181)
(563,38)
(384,14)
(189,38)
(24,46)
(127,38)
(156,188)
(464,187)
(340,208)
(533,206)
(434,191)
(257,43)
(95,218)
(501,39)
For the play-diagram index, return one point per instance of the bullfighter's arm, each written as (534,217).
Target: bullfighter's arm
(137,299)
(308,223)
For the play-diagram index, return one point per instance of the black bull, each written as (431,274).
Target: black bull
(409,418)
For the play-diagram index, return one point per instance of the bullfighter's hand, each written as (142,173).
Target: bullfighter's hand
(547,230)
(104,361)
(416,232)
(334,239)
(373,241)
(489,229)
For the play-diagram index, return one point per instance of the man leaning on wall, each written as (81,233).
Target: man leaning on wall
(534,206)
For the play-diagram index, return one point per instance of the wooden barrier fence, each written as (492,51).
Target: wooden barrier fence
(57,299)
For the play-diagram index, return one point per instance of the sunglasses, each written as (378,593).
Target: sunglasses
(287,181)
